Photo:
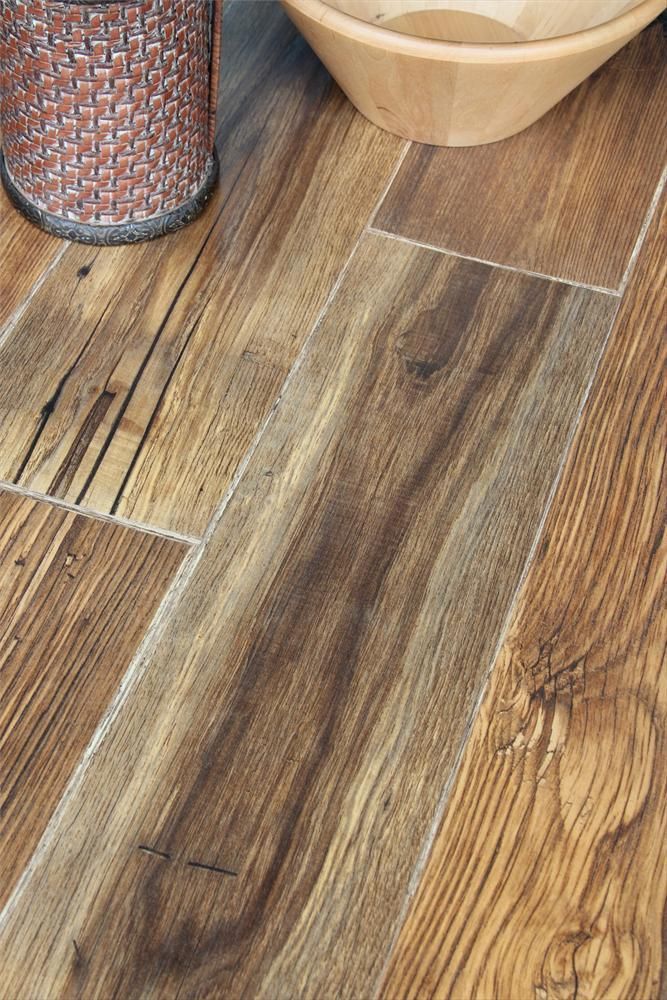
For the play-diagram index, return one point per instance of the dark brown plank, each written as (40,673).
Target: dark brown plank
(548,878)
(139,376)
(566,197)
(76,595)
(298,720)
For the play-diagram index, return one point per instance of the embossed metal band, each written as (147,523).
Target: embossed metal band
(114,235)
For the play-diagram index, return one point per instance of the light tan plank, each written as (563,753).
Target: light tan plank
(283,753)
(25,254)
(137,386)
(548,875)
(76,595)
(566,197)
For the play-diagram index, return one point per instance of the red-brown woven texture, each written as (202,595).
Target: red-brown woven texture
(104,108)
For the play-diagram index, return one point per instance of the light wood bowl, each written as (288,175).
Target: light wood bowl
(464,72)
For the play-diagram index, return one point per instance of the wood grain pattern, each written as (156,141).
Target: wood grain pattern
(75,597)
(139,375)
(550,199)
(259,838)
(25,253)
(485,19)
(548,875)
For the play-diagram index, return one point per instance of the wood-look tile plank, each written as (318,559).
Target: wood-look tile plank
(139,375)
(265,789)
(566,197)
(76,595)
(547,878)
(25,254)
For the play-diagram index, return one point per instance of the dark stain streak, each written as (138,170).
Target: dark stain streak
(50,405)
(153,850)
(166,856)
(79,961)
(435,339)
(151,420)
(420,369)
(63,478)
(211,868)
(45,413)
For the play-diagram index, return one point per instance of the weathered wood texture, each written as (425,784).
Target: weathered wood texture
(138,376)
(75,597)
(25,253)
(298,720)
(550,199)
(548,875)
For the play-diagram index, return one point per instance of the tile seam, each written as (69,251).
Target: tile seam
(97,515)
(641,236)
(15,318)
(613,292)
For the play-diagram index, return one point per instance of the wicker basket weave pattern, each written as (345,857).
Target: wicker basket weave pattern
(105,107)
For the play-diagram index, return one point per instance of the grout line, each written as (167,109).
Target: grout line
(15,318)
(392,177)
(491,263)
(168,604)
(441,808)
(627,274)
(96,515)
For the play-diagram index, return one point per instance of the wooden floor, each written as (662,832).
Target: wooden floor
(332,563)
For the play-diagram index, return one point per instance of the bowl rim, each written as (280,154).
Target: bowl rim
(623,25)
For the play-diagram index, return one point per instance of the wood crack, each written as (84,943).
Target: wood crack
(49,407)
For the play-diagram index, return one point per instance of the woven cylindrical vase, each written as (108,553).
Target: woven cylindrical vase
(107,114)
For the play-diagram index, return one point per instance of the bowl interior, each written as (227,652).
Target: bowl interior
(483,21)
